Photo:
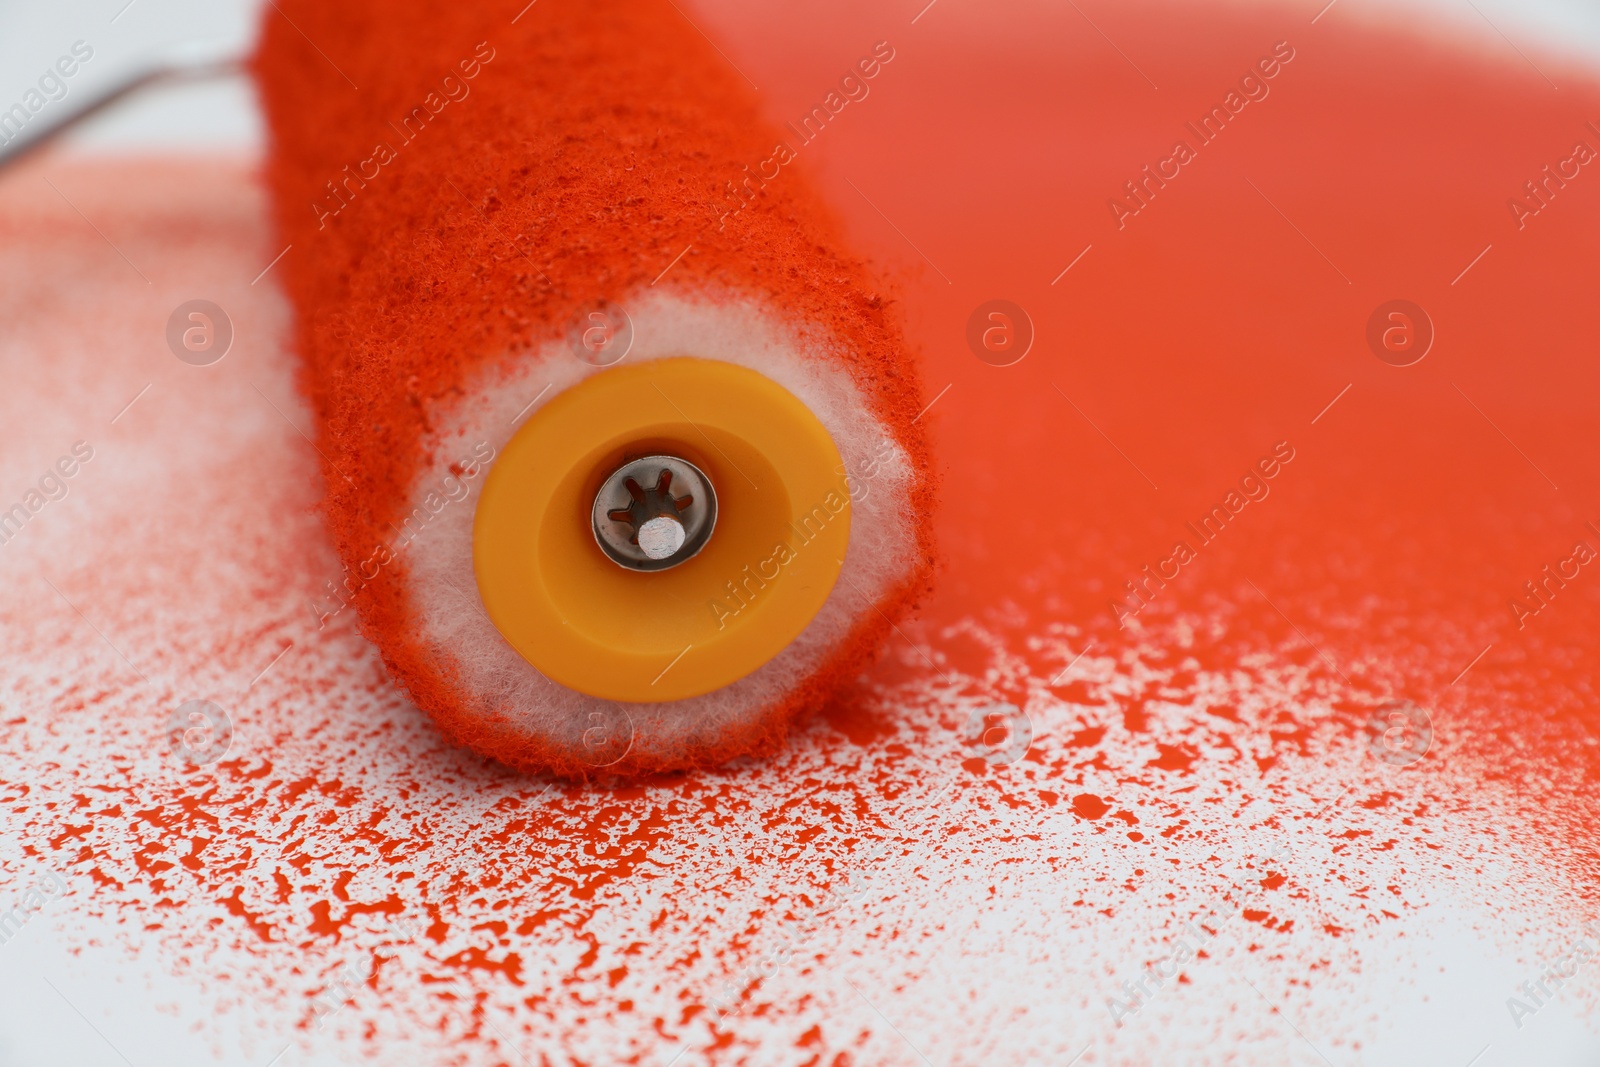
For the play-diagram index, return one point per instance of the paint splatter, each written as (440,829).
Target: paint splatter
(1203,851)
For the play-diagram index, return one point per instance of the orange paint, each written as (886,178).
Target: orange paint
(1230,713)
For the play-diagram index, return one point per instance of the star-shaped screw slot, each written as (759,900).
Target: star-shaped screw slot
(657,526)
(649,503)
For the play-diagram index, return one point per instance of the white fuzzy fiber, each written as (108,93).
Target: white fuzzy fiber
(441,583)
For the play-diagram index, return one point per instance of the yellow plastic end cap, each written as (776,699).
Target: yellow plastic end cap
(591,624)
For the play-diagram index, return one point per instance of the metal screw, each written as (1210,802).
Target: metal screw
(661,536)
(654,512)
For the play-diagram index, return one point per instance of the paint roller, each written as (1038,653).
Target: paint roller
(622,480)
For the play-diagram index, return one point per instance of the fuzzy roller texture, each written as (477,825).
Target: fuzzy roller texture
(456,199)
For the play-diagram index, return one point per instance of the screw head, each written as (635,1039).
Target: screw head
(654,512)
(661,536)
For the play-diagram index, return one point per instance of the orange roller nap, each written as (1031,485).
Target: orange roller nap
(460,192)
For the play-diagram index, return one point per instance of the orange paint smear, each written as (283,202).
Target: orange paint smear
(1229,713)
